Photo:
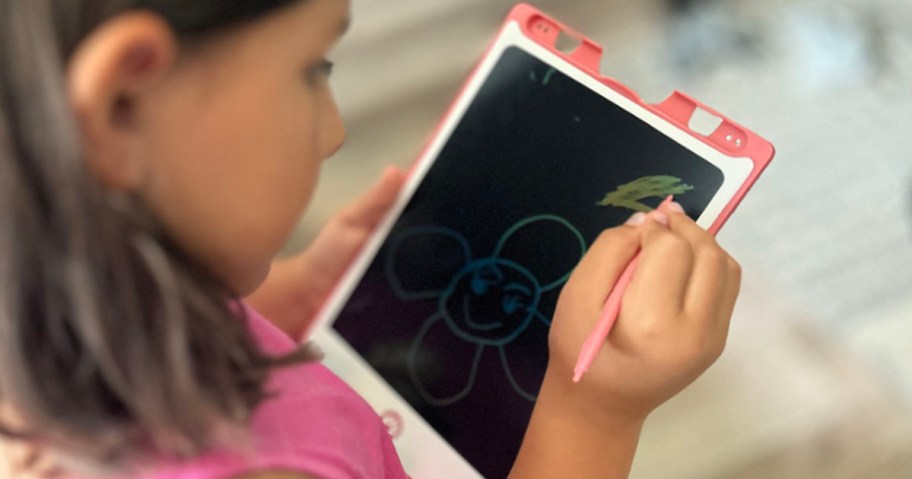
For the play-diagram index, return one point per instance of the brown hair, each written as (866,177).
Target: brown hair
(112,341)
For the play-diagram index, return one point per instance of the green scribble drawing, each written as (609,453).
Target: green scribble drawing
(548,76)
(629,195)
(546,79)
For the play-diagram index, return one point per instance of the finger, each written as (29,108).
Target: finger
(712,329)
(666,263)
(709,292)
(595,276)
(682,224)
(731,294)
(335,245)
(367,210)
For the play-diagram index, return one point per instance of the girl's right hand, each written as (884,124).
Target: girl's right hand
(673,322)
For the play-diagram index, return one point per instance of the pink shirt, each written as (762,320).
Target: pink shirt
(316,425)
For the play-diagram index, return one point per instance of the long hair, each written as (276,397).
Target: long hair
(112,341)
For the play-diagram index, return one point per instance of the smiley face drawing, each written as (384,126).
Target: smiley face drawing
(483,303)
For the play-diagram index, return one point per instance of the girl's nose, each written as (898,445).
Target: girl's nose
(333,130)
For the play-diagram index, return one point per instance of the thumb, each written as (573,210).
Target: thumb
(598,271)
(367,210)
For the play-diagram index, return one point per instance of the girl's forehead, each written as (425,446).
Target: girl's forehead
(333,15)
(322,20)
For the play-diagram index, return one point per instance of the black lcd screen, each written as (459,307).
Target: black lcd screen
(453,311)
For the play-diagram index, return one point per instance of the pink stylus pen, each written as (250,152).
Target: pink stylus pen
(609,315)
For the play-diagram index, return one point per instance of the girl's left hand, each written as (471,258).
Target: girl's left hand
(296,287)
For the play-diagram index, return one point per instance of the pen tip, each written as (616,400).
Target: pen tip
(577,375)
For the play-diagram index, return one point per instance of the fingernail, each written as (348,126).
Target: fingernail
(675,207)
(637,219)
(659,217)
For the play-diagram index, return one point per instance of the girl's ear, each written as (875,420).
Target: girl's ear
(109,75)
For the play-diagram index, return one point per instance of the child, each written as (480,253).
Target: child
(154,155)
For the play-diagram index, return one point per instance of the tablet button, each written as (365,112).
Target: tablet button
(393,422)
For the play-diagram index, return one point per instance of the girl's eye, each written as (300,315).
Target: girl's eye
(319,72)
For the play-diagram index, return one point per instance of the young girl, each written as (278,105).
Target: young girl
(154,155)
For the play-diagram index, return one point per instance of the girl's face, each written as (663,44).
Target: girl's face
(228,137)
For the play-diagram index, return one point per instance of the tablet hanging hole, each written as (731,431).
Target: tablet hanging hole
(566,43)
(543,29)
(729,137)
(705,123)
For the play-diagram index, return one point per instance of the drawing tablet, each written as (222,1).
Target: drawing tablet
(442,321)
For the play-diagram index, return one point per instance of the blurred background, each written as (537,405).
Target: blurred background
(817,378)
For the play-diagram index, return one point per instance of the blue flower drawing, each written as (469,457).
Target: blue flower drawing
(482,303)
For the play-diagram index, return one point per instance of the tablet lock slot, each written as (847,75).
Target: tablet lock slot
(715,128)
(703,122)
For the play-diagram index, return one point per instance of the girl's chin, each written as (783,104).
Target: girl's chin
(245,283)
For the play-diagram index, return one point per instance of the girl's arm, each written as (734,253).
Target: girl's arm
(562,438)
(673,325)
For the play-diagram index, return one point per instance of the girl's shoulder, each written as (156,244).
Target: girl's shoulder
(313,423)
